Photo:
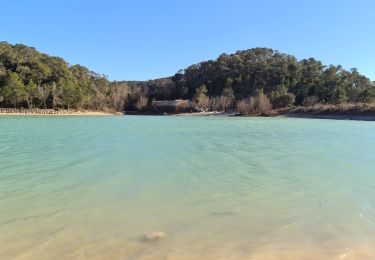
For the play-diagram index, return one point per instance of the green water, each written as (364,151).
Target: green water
(219,188)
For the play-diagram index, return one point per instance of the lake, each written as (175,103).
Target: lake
(217,187)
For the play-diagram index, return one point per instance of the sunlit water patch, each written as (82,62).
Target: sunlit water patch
(208,187)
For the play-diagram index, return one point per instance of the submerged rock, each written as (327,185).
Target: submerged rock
(222,213)
(155,235)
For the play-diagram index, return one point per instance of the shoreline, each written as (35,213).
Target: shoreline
(329,116)
(57,113)
(305,115)
(348,112)
(211,113)
(334,115)
(283,113)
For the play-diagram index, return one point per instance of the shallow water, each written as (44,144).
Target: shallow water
(219,188)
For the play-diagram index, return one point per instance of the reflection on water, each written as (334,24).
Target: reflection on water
(215,188)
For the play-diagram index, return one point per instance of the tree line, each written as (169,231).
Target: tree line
(249,81)
(30,79)
(261,73)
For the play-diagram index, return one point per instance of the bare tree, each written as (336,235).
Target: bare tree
(263,104)
(260,104)
(252,103)
(118,96)
(224,102)
(214,103)
(202,102)
(43,94)
(142,102)
(227,99)
(246,106)
(56,95)
(243,107)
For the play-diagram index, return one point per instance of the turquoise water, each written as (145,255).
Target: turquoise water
(217,187)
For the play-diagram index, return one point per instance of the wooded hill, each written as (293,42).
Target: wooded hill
(31,79)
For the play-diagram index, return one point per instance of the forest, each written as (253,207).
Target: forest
(249,81)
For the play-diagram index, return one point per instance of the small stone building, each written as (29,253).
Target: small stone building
(173,106)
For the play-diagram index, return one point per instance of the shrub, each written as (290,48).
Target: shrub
(282,98)
(262,103)
(243,107)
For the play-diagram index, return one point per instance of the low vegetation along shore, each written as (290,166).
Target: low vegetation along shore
(343,111)
(257,81)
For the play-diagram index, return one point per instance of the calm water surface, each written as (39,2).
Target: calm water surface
(219,188)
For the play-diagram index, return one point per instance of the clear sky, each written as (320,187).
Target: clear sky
(141,39)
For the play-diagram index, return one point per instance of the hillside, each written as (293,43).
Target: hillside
(32,79)
(241,81)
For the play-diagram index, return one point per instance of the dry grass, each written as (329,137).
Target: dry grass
(340,109)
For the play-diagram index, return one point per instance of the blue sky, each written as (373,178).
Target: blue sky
(137,40)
